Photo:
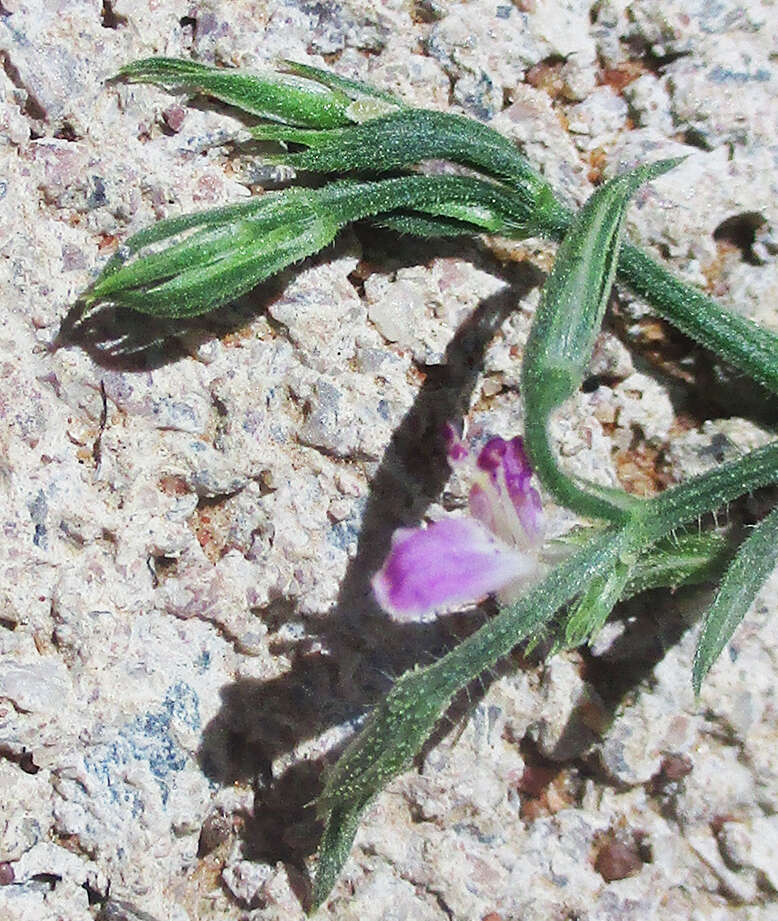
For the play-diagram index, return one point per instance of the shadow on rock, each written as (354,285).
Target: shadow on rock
(261,722)
(121,339)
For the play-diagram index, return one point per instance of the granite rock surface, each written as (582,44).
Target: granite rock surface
(191,511)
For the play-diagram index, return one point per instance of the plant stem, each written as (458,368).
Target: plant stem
(589,500)
(745,345)
(660,515)
(742,343)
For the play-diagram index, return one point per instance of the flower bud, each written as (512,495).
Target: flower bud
(285,97)
(576,293)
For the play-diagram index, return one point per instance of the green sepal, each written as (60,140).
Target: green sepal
(354,89)
(593,608)
(678,561)
(673,562)
(215,257)
(289,134)
(172,227)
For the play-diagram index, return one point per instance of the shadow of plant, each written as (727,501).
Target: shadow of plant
(262,721)
(120,339)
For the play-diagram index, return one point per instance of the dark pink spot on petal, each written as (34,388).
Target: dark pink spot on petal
(456,449)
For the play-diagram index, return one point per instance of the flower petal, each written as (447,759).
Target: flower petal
(506,465)
(452,562)
(456,449)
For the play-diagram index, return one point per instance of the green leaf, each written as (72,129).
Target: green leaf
(738,340)
(755,560)
(674,507)
(576,293)
(594,606)
(677,561)
(287,98)
(407,137)
(564,330)
(335,846)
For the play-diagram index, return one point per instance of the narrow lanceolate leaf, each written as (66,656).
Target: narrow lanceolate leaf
(594,607)
(395,732)
(686,502)
(188,265)
(745,345)
(341,828)
(755,560)
(283,97)
(564,330)
(684,559)
(574,298)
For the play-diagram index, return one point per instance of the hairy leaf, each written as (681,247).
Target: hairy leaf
(407,137)
(212,258)
(753,563)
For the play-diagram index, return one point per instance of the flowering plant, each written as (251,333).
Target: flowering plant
(188,265)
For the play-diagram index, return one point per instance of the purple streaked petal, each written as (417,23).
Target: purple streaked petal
(516,466)
(490,456)
(452,562)
(507,466)
(530,512)
(480,503)
(508,457)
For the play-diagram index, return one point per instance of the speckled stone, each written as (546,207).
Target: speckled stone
(191,511)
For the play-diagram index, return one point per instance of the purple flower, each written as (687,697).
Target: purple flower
(460,560)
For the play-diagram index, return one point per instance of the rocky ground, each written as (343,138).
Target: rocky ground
(191,511)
